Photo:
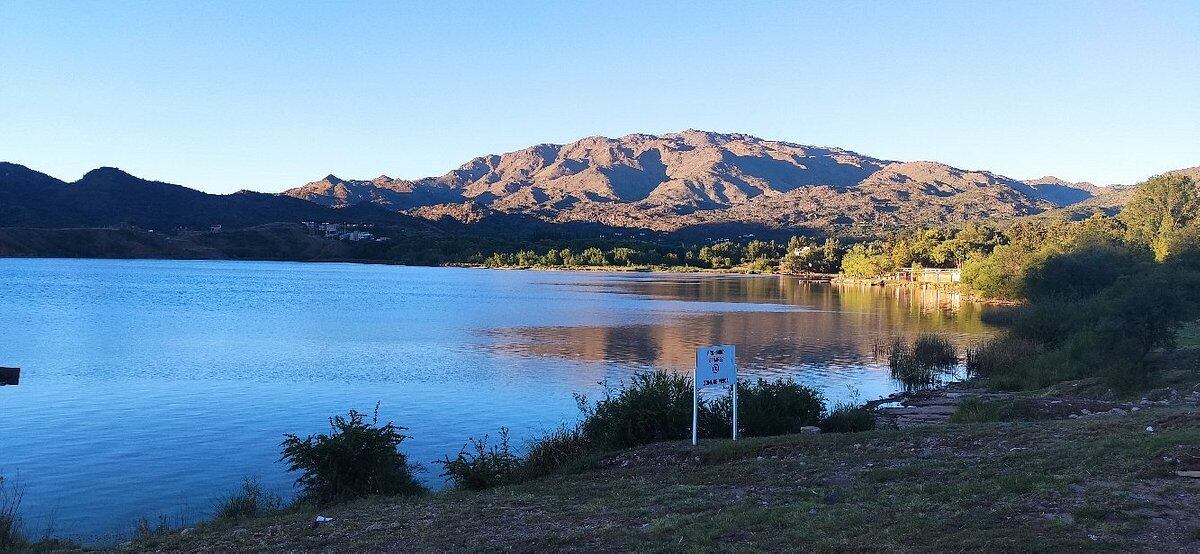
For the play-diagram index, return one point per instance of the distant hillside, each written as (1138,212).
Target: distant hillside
(111,197)
(1112,198)
(696,184)
(697,178)
(1193,172)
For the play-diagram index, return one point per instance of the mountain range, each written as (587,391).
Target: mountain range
(694,181)
(694,178)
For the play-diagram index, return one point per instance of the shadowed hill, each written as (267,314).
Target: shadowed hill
(109,197)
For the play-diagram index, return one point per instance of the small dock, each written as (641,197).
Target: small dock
(10,376)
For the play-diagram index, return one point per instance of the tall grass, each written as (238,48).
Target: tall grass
(11,537)
(481,465)
(924,363)
(248,501)
(1008,363)
(563,449)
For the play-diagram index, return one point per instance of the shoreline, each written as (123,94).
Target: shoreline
(931,483)
(815,278)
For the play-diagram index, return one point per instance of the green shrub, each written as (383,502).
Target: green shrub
(975,410)
(483,466)
(357,458)
(979,410)
(1081,273)
(651,407)
(251,500)
(848,418)
(11,537)
(1084,331)
(565,448)
(1000,355)
(765,408)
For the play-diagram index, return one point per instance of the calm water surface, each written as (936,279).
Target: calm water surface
(152,387)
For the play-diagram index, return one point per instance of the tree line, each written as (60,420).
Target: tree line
(1159,221)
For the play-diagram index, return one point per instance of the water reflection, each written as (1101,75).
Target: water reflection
(814,328)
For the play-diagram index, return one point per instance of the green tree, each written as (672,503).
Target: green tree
(527,258)
(864,260)
(831,256)
(721,255)
(1162,214)
(552,258)
(1000,274)
(760,250)
(499,259)
(593,256)
(625,256)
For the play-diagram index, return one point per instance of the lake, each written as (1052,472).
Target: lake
(149,388)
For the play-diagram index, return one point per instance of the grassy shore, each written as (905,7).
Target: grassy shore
(1100,482)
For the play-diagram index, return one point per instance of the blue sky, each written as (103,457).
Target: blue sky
(265,96)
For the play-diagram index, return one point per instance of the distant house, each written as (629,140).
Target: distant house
(356,236)
(929,275)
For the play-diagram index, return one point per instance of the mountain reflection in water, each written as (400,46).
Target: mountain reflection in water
(781,325)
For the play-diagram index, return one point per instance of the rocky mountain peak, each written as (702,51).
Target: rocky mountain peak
(691,177)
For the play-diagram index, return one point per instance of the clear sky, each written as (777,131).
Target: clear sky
(263,95)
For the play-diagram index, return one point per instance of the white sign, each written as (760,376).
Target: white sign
(715,367)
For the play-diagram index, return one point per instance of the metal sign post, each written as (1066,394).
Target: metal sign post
(715,367)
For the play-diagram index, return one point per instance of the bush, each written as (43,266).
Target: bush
(978,410)
(357,458)
(1001,355)
(652,407)
(483,466)
(848,418)
(1080,274)
(251,500)
(766,408)
(922,364)
(11,537)
(975,410)
(565,448)
(1050,321)
(1107,333)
